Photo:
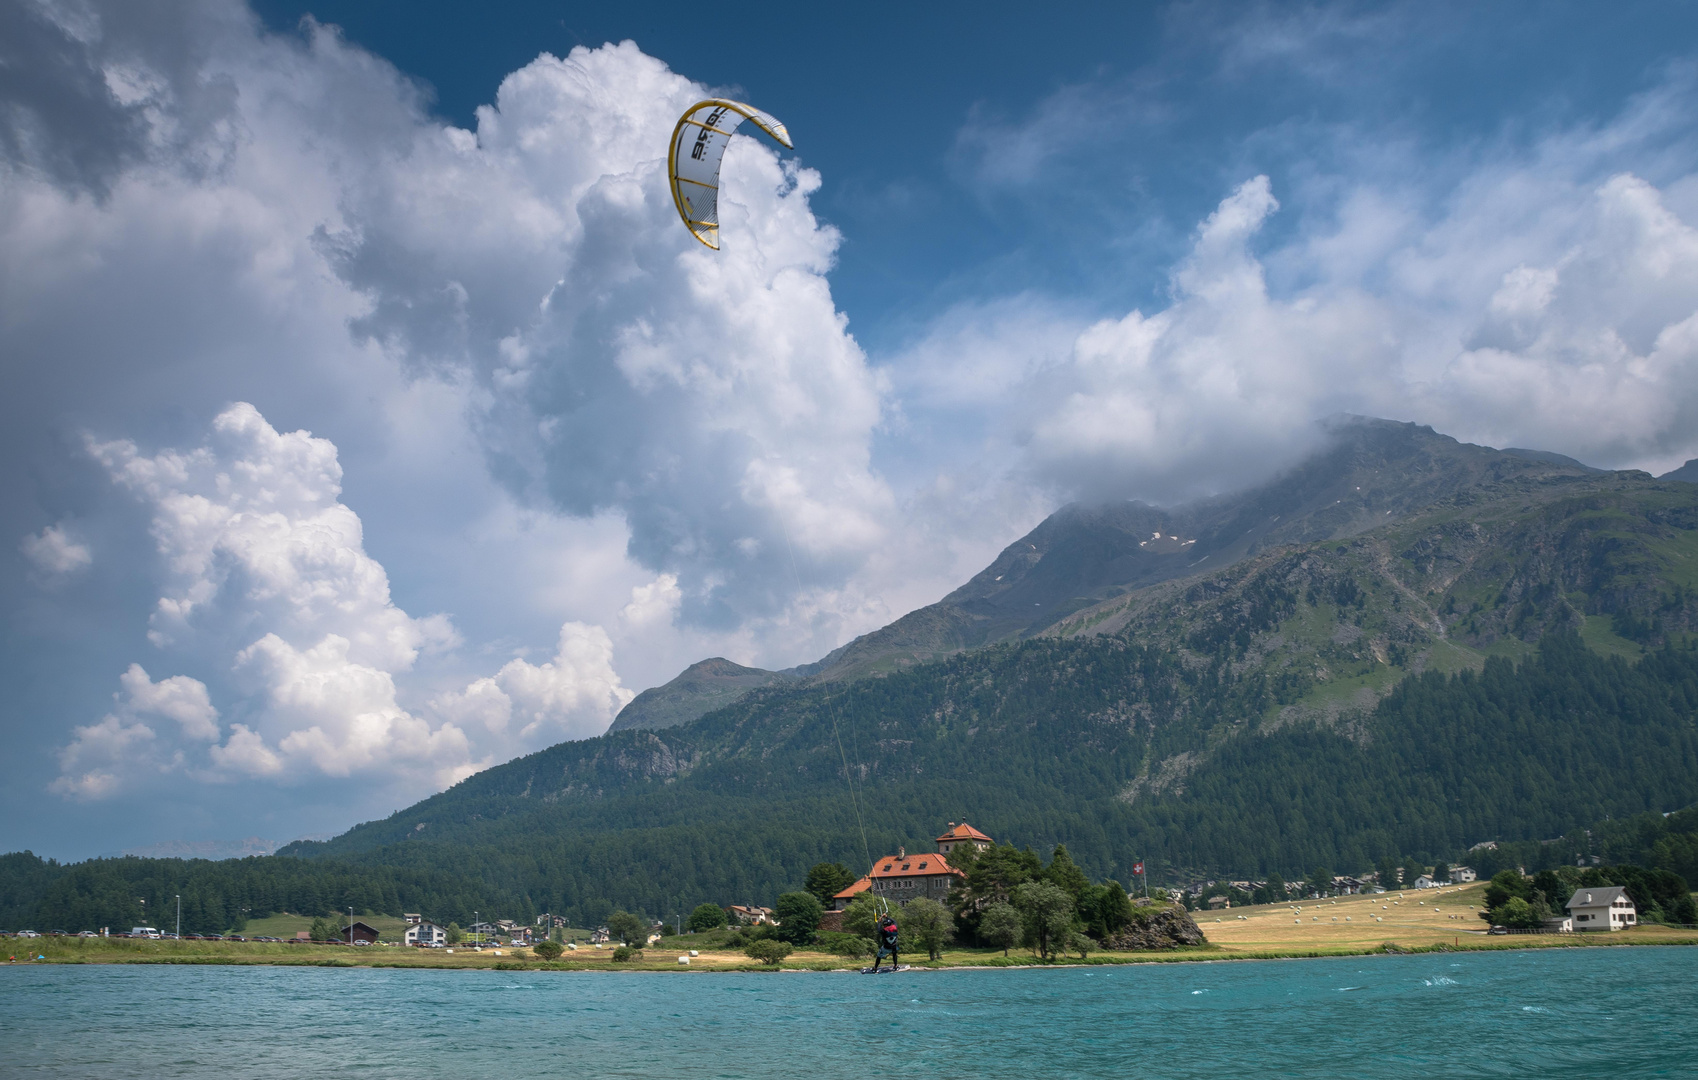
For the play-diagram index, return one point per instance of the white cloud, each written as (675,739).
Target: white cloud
(1571,326)
(654,603)
(255,540)
(178,698)
(53,553)
(102,757)
(573,696)
(91,767)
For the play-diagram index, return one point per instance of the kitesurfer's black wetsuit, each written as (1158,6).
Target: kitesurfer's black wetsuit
(886,944)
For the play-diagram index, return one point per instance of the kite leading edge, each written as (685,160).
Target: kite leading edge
(692,164)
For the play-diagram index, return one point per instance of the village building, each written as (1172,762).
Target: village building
(360,932)
(843,899)
(426,933)
(1424,882)
(413,917)
(962,834)
(902,877)
(1602,909)
(753,916)
(1462,875)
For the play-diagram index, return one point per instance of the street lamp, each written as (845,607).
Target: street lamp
(350,926)
(179,918)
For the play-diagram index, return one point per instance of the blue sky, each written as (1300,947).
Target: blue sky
(1152,110)
(370,417)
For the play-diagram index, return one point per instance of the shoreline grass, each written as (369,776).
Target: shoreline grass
(256,954)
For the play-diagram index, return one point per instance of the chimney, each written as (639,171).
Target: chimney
(901,853)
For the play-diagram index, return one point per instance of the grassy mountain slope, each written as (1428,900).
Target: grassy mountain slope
(1373,472)
(1233,721)
(702,687)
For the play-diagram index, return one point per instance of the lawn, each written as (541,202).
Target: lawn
(1413,919)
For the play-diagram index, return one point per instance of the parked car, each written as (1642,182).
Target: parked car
(1498,930)
(87,933)
(28,933)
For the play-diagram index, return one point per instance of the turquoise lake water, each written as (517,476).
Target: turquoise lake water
(1548,1013)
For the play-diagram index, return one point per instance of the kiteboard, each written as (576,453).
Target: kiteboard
(884,970)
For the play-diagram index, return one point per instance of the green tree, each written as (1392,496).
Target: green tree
(1388,873)
(861,916)
(798,917)
(1081,944)
(998,870)
(1274,890)
(705,917)
(548,950)
(1105,909)
(841,944)
(629,928)
(1000,926)
(1047,913)
(1441,871)
(1506,884)
(767,951)
(1320,880)
(1515,913)
(1065,873)
(826,880)
(322,929)
(926,924)
(455,935)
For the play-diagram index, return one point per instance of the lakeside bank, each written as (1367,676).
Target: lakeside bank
(98,951)
(1411,921)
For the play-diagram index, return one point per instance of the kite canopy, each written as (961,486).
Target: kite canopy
(698,145)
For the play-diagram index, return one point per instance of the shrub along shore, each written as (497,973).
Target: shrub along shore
(663,956)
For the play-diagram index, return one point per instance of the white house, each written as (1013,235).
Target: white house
(1424,882)
(426,933)
(1606,908)
(1460,875)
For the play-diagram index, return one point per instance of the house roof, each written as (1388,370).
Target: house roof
(1602,897)
(930,864)
(964,831)
(861,885)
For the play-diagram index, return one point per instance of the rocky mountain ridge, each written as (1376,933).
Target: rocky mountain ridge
(1373,473)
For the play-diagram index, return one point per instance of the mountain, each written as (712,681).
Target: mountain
(209,849)
(1403,646)
(1373,472)
(1687,473)
(702,687)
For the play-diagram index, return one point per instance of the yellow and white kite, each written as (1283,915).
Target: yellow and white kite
(698,145)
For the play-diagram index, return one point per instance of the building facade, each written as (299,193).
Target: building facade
(427,934)
(1602,909)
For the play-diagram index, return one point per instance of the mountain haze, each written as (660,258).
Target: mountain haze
(1374,472)
(1171,662)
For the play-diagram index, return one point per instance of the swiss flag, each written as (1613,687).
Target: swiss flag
(1138,868)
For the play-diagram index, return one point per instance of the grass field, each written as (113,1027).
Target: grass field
(285,925)
(1412,920)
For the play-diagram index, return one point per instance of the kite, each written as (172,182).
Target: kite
(698,145)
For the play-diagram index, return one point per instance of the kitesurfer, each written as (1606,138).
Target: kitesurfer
(886,940)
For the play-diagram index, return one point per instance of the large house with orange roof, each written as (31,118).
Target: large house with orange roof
(902,877)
